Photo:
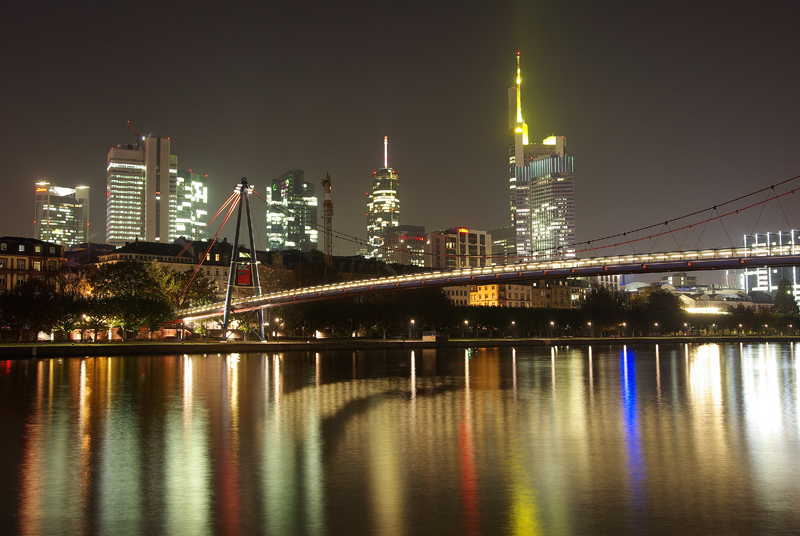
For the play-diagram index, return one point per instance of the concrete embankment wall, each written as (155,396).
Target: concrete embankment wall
(56,350)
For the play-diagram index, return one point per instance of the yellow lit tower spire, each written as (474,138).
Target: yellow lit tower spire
(517,138)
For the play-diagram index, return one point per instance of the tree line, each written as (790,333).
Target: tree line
(130,295)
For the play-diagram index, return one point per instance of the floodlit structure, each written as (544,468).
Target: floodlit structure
(141,192)
(541,194)
(383,205)
(192,209)
(61,215)
(766,279)
(291,213)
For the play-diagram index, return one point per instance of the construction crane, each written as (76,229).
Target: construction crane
(138,136)
(327,219)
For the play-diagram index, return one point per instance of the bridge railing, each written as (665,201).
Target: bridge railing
(457,276)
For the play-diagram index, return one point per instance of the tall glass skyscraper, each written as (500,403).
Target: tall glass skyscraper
(192,210)
(292,213)
(141,196)
(541,193)
(61,215)
(383,205)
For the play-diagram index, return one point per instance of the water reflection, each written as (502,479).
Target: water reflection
(568,440)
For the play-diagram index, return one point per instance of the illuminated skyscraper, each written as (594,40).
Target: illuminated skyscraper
(541,199)
(192,212)
(61,215)
(141,196)
(383,206)
(291,212)
(546,218)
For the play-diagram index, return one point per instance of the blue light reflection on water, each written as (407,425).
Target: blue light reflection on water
(633,442)
(520,441)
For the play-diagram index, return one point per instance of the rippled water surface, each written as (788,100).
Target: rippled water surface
(668,439)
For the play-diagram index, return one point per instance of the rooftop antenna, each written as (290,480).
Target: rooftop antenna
(386,151)
(519,97)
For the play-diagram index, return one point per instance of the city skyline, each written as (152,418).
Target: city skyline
(655,103)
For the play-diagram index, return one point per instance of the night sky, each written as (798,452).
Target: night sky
(667,107)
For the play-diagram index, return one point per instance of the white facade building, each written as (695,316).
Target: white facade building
(141,192)
(61,215)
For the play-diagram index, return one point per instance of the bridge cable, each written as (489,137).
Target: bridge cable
(785,218)
(697,212)
(192,241)
(730,240)
(753,205)
(211,243)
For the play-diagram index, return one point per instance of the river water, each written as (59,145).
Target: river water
(667,439)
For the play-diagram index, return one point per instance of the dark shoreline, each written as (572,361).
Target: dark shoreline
(62,349)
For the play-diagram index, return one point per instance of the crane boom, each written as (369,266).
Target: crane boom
(138,136)
(327,217)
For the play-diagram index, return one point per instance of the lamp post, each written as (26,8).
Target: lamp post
(656,329)
(411,330)
(513,329)
(740,329)
(552,329)
(590,330)
(624,329)
(466,328)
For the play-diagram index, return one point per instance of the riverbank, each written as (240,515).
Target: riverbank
(66,349)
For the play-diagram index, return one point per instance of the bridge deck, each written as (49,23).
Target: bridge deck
(714,259)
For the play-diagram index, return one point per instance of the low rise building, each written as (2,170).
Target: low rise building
(459,295)
(28,258)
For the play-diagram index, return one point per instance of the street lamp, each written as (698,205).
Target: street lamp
(552,329)
(590,329)
(513,329)
(411,330)
(656,328)
(466,328)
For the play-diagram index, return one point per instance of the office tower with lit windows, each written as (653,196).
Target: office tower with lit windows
(767,279)
(460,247)
(61,215)
(383,205)
(192,210)
(404,244)
(541,195)
(141,192)
(292,213)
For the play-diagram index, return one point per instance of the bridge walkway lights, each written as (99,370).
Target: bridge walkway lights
(622,264)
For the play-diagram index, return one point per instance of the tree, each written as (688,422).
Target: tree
(654,305)
(32,305)
(72,289)
(784,301)
(136,293)
(605,307)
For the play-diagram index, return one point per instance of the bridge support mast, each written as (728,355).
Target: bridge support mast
(244,190)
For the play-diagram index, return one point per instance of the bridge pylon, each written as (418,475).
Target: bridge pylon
(249,277)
